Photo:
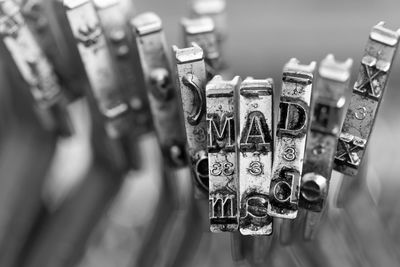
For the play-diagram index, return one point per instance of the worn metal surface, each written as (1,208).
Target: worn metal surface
(215,9)
(98,63)
(53,35)
(202,32)
(223,182)
(293,124)
(35,69)
(159,80)
(191,79)
(255,154)
(114,17)
(366,98)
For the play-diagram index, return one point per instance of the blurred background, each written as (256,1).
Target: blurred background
(264,35)
(59,206)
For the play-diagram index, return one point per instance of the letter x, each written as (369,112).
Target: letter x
(374,90)
(349,149)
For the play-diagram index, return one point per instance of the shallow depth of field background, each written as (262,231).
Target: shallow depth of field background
(262,36)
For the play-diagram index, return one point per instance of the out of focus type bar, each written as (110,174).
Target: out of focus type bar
(35,69)
(164,102)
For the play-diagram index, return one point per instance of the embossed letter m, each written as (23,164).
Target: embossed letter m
(221,132)
(223,209)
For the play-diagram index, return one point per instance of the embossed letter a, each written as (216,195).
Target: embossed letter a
(255,134)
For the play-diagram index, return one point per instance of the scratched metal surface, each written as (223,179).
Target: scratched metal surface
(310,30)
(262,36)
(262,42)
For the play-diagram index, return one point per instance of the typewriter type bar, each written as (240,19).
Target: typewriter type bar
(124,8)
(48,23)
(163,97)
(327,117)
(223,177)
(293,124)
(202,32)
(99,66)
(255,155)
(191,80)
(215,9)
(35,69)
(114,17)
(366,98)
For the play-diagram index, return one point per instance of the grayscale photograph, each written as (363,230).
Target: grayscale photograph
(199,133)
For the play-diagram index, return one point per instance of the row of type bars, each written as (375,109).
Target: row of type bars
(253,170)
